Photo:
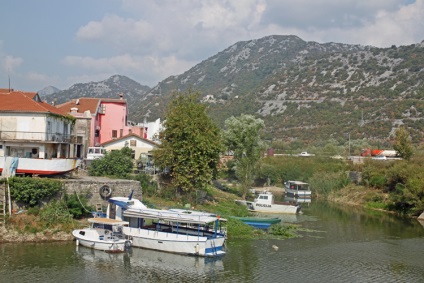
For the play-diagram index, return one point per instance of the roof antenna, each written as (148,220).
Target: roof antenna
(8,74)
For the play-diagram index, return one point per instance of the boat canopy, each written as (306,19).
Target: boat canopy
(297,183)
(172,216)
(107,221)
(125,203)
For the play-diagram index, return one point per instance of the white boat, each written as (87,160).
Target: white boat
(175,232)
(298,189)
(103,234)
(265,203)
(169,231)
(35,166)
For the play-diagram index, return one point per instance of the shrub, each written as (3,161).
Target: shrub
(56,212)
(118,163)
(378,181)
(77,205)
(148,186)
(31,191)
(322,183)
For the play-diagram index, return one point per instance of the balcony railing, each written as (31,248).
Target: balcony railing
(34,136)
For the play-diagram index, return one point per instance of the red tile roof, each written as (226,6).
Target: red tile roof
(19,101)
(130,135)
(83,104)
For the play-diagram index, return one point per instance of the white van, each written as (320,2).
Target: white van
(95,153)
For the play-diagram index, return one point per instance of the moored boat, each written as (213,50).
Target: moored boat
(103,234)
(297,189)
(265,203)
(194,233)
(36,166)
(257,222)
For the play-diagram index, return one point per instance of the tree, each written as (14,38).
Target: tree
(403,144)
(117,163)
(241,136)
(189,144)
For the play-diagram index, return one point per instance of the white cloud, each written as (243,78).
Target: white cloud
(150,40)
(145,69)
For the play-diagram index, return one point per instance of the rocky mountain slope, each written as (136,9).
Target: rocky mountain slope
(109,88)
(304,91)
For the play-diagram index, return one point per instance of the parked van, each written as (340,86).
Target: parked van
(95,153)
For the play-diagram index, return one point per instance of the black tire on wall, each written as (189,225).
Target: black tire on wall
(105,192)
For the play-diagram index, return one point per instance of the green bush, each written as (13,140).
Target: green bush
(77,205)
(322,183)
(117,163)
(56,212)
(148,186)
(378,181)
(31,191)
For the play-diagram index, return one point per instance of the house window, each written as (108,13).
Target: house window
(114,134)
(121,133)
(133,143)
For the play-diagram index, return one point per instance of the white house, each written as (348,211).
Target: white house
(140,147)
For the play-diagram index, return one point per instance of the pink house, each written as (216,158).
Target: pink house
(100,120)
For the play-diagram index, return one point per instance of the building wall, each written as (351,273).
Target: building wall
(140,147)
(153,129)
(113,119)
(22,126)
(22,133)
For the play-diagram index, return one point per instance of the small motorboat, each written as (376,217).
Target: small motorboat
(257,222)
(103,234)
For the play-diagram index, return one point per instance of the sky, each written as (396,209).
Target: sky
(61,43)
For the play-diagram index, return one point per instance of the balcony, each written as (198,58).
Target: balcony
(34,137)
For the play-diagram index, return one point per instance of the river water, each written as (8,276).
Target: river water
(337,244)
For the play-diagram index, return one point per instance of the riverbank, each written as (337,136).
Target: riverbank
(23,228)
(9,235)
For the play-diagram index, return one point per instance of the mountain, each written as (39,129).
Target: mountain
(307,91)
(304,91)
(48,91)
(109,88)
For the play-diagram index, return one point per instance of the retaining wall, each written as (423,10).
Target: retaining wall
(90,187)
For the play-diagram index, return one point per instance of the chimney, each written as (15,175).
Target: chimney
(74,110)
(121,95)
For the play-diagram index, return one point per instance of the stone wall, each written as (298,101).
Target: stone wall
(90,187)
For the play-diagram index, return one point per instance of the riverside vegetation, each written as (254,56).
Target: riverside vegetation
(396,186)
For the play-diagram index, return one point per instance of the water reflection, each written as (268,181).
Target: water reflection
(337,244)
(153,264)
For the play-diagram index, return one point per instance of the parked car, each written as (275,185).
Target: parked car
(305,154)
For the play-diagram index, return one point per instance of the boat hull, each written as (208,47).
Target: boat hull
(41,166)
(299,193)
(92,240)
(273,208)
(175,243)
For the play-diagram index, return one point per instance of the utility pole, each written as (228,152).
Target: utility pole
(349,144)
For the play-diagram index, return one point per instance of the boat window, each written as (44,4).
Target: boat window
(82,233)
